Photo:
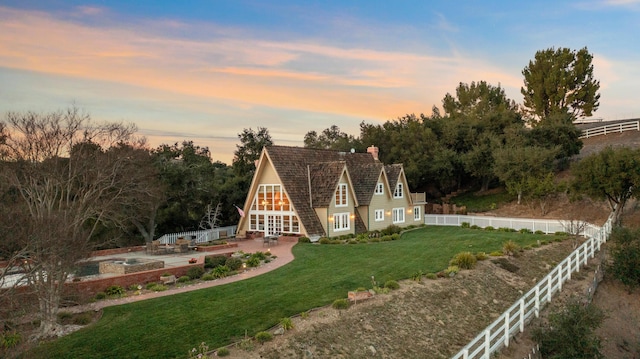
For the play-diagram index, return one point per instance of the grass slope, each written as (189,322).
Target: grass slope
(168,327)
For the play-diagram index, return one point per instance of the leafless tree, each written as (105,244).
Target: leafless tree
(62,175)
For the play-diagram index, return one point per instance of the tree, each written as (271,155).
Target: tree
(252,143)
(63,181)
(560,81)
(625,254)
(611,174)
(331,139)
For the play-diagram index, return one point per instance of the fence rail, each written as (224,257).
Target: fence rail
(612,128)
(200,236)
(513,320)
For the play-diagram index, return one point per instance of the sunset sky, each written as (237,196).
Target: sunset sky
(206,70)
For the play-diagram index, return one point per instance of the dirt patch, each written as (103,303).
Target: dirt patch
(426,319)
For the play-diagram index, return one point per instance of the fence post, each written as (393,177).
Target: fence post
(537,301)
(577,262)
(570,269)
(487,344)
(522,315)
(506,329)
(549,288)
(560,278)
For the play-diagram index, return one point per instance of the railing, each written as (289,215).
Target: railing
(419,197)
(512,321)
(617,127)
(200,236)
(546,226)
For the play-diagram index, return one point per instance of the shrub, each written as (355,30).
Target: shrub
(286,323)
(82,319)
(417,276)
(150,285)
(63,316)
(101,295)
(452,270)
(214,261)
(391,284)
(263,337)
(114,290)
(220,272)
(246,344)
(157,287)
(353,241)
(233,263)
(560,233)
(376,240)
(9,340)
(260,255)
(625,253)
(570,332)
(304,240)
(395,236)
(506,229)
(195,272)
(391,229)
(489,228)
(340,304)
(525,231)
(183,279)
(324,240)
(481,256)
(253,262)
(475,226)
(222,352)
(431,276)
(464,260)
(539,232)
(208,277)
(510,248)
(465,225)
(544,242)
(134,287)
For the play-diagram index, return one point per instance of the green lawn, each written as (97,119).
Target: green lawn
(168,327)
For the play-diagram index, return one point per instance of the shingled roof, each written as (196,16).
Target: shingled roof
(302,168)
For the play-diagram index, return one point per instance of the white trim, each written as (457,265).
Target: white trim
(342,195)
(379,215)
(398,215)
(341,222)
(417,213)
(399,191)
(379,189)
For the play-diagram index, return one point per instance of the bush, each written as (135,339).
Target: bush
(392,229)
(340,304)
(9,340)
(570,332)
(222,352)
(481,256)
(195,272)
(183,279)
(114,290)
(475,226)
(625,253)
(539,232)
(220,272)
(246,344)
(465,225)
(64,316)
(101,295)
(157,287)
(82,319)
(134,287)
(260,255)
(525,231)
(304,240)
(391,284)
(263,337)
(233,263)
(253,262)
(464,260)
(208,277)
(286,323)
(489,228)
(324,240)
(150,285)
(510,248)
(353,241)
(431,276)
(452,270)
(395,236)
(417,276)
(214,261)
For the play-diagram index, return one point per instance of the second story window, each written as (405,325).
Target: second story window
(398,193)
(379,188)
(341,195)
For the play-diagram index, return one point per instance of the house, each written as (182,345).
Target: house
(325,193)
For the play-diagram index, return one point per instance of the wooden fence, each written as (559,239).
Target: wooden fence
(498,334)
(612,128)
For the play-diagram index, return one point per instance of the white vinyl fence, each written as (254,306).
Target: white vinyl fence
(200,236)
(511,322)
(613,128)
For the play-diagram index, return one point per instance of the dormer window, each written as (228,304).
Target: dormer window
(398,193)
(341,195)
(379,188)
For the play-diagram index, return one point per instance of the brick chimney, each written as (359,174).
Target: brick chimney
(373,150)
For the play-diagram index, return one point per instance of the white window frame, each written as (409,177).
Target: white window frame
(417,213)
(379,188)
(341,222)
(398,215)
(399,191)
(342,195)
(379,215)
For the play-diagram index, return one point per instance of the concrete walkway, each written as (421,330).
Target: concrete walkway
(282,251)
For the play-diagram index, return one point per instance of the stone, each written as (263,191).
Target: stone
(279,331)
(373,350)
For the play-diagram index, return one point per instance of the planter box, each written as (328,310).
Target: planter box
(216,247)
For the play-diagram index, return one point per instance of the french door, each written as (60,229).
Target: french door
(274,225)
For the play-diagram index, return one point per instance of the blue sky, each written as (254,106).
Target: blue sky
(206,70)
